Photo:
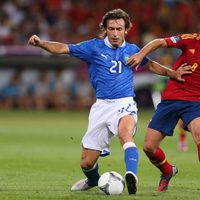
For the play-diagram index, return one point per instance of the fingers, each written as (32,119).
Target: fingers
(135,66)
(185,67)
(188,68)
(181,80)
(132,63)
(186,72)
(34,40)
(183,70)
(184,64)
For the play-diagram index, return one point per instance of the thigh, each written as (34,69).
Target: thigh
(194,128)
(123,116)
(165,117)
(189,112)
(97,136)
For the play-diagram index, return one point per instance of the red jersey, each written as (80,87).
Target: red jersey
(190,89)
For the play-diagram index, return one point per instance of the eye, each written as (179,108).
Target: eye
(119,29)
(110,29)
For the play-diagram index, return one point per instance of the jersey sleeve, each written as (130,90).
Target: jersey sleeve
(174,41)
(82,50)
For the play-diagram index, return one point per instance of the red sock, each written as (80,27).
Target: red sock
(198,148)
(159,160)
(182,137)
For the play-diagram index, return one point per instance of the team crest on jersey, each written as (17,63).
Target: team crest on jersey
(126,56)
(175,39)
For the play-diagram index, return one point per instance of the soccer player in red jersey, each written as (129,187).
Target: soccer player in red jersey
(180,100)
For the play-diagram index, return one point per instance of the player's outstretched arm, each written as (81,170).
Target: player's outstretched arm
(165,71)
(136,59)
(52,47)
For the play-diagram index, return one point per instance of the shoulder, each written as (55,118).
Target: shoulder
(85,42)
(132,47)
(95,42)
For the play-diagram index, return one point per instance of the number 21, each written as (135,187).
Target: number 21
(116,67)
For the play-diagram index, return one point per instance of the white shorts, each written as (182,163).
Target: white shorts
(104,119)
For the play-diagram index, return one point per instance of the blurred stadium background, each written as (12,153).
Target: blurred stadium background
(30,78)
(40,151)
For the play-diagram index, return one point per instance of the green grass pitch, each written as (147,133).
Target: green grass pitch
(40,153)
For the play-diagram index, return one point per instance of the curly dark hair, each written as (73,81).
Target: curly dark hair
(114,14)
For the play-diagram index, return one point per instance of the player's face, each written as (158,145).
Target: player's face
(116,31)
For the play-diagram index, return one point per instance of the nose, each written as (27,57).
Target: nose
(114,32)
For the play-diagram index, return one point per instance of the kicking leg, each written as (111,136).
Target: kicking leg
(89,167)
(126,127)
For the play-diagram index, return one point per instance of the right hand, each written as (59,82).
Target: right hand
(34,40)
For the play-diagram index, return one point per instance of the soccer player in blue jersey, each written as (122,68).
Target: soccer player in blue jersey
(114,113)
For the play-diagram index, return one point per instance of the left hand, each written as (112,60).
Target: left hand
(182,70)
(135,60)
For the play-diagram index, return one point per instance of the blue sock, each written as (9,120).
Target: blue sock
(92,175)
(131,158)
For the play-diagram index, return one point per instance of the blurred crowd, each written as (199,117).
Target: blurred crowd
(74,21)
(57,89)
(77,20)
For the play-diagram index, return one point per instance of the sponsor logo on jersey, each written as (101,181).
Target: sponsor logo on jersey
(103,55)
(175,39)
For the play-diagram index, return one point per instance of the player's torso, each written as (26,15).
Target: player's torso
(190,89)
(110,75)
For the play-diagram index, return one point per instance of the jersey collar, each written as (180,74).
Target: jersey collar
(107,43)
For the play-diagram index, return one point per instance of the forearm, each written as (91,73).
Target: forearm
(160,69)
(152,46)
(54,47)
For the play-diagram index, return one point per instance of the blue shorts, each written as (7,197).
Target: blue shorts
(169,112)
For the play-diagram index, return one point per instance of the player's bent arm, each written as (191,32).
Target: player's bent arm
(152,46)
(50,46)
(165,71)
(136,59)
(159,69)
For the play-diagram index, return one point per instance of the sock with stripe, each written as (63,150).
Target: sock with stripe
(159,160)
(131,157)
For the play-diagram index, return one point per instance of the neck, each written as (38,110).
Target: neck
(112,46)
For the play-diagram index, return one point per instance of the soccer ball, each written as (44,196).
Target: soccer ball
(111,183)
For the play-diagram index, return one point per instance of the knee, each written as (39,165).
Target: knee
(197,138)
(86,164)
(125,137)
(148,148)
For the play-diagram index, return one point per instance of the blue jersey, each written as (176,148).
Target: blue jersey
(110,76)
